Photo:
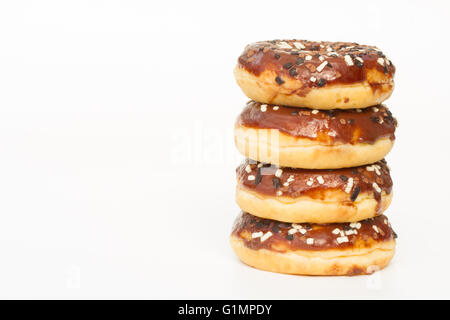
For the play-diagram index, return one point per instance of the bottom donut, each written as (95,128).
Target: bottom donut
(314,249)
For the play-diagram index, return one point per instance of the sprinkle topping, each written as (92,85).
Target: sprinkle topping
(278,173)
(376,187)
(342,239)
(266,236)
(257,234)
(321,66)
(348,60)
(299,45)
(349,186)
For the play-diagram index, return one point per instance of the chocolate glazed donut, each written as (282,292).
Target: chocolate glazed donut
(318,196)
(322,75)
(314,139)
(314,249)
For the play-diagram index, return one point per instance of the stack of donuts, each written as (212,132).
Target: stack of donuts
(314,184)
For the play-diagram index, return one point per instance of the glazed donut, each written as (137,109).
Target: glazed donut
(319,75)
(317,196)
(314,139)
(314,249)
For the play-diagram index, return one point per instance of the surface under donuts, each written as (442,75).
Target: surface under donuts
(316,196)
(322,75)
(314,249)
(314,139)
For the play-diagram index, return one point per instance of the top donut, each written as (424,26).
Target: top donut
(319,75)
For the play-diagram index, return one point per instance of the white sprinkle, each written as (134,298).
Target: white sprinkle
(266,236)
(284,45)
(257,234)
(342,239)
(336,231)
(380,61)
(375,109)
(348,60)
(356,225)
(264,107)
(321,58)
(387,61)
(299,45)
(291,178)
(301,230)
(370,168)
(315,111)
(312,79)
(279,193)
(276,107)
(376,187)
(329,49)
(310,241)
(349,185)
(286,184)
(308,57)
(375,228)
(278,173)
(359,59)
(385,221)
(292,231)
(377,171)
(330,54)
(332,133)
(320,179)
(349,232)
(251,177)
(260,165)
(248,168)
(321,66)
(358,110)
(310,182)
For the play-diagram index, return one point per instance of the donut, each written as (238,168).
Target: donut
(314,139)
(319,75)
(314,249)
(317,196)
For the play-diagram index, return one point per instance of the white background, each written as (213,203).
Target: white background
(116,147)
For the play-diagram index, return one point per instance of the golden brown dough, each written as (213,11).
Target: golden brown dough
(273,146)
(307,209)
(339,263)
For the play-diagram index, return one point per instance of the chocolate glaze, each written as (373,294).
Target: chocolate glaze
(289,61)
(308,181)
(322,234)
(326,126)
